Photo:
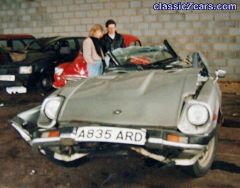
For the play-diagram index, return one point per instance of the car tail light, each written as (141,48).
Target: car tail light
(25,70)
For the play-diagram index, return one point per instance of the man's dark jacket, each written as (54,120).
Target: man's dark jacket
(110,44)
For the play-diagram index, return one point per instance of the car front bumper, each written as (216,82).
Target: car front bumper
(190,151)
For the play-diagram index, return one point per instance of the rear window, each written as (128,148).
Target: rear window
(3,43)
(28,41)
(17,45)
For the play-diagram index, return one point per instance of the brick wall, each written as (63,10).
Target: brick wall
(215,33)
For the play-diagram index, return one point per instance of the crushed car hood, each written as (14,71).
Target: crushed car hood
(147,98)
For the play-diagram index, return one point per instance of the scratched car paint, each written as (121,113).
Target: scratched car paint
(167,109)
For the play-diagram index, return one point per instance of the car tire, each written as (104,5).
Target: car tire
(49,153)
(204,163)
(46,83)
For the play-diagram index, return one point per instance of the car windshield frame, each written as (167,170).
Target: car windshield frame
(164,62)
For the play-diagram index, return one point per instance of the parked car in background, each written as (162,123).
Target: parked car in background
(15,42)
(168,109)
(39,58)
(131,40)
(13,71)
(78,68)
(46,53)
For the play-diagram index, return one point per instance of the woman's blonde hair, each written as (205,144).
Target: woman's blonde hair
(94,29)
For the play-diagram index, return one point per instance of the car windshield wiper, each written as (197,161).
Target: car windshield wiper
(161,63)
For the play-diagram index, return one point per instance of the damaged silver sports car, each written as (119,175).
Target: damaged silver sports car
(167,109)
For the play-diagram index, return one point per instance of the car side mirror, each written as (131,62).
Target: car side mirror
(220,73)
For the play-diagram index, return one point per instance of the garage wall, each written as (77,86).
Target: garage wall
(215,33)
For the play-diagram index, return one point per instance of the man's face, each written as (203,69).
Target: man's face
(111,29)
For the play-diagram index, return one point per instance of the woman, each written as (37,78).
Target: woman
(92,51)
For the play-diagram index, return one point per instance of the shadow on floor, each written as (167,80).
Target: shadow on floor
(229,167)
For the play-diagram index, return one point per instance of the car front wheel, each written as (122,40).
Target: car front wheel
(50,153)
(204,163)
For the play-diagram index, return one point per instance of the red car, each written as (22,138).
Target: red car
(78,67)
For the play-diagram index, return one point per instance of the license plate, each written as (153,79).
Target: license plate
(16,89)
(112,135)
(7,77)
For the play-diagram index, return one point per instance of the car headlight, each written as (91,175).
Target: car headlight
(197,114)
(58,71)
(51,107)
(25,70)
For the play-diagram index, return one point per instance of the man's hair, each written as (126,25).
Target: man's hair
(109,22)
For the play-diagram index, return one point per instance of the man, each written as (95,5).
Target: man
(111,40)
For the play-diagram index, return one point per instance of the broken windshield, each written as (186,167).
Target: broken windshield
(142,55)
